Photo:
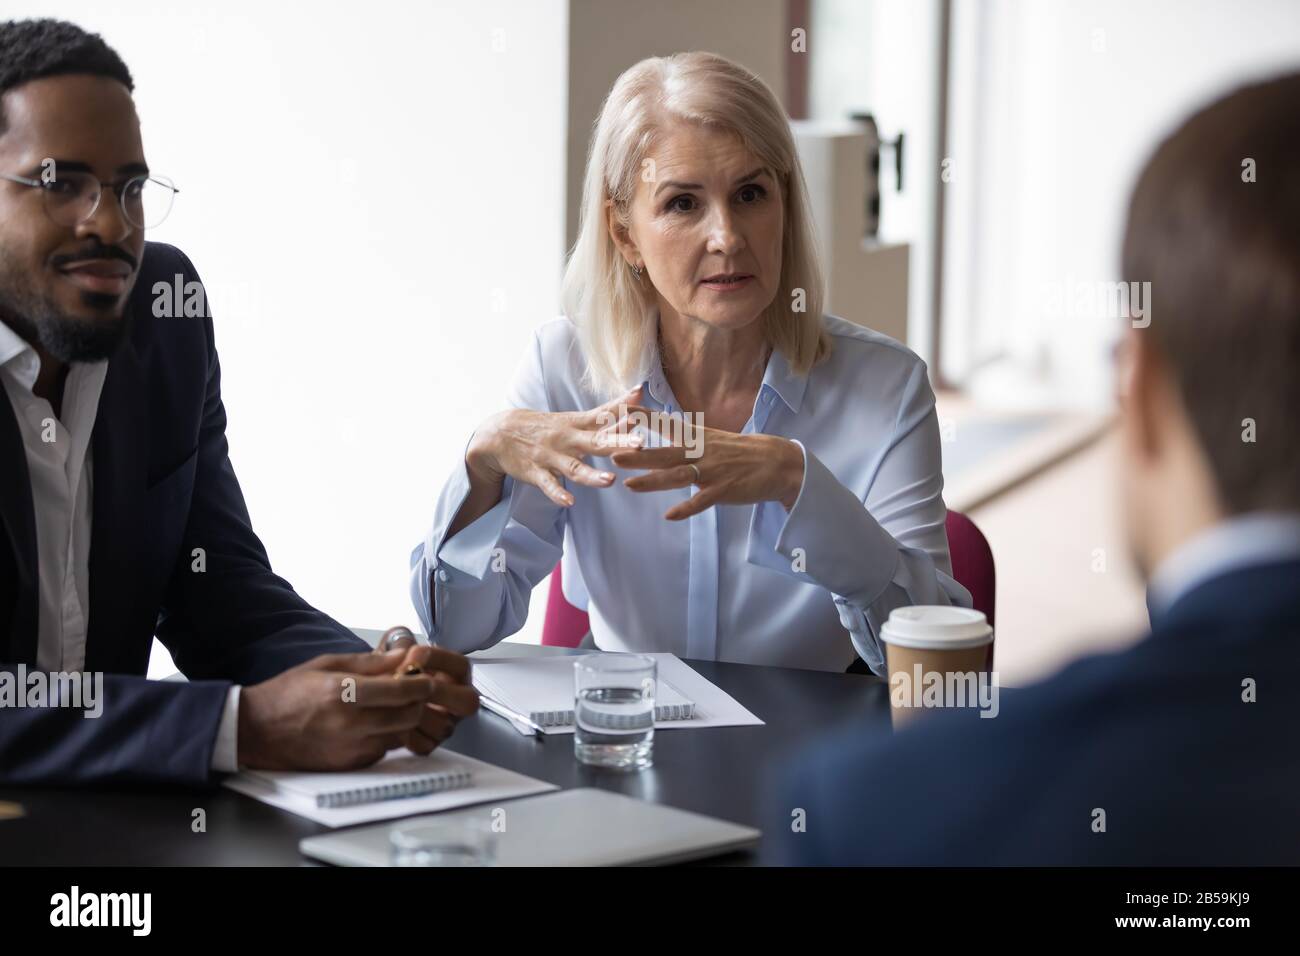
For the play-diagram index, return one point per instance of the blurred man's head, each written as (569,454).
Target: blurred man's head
(65,112)
(1210,389)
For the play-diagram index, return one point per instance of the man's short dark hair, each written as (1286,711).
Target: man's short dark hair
(1214,226)
(34,49)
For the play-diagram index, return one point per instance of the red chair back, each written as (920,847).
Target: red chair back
(565,625)
(972,567)
(972,562)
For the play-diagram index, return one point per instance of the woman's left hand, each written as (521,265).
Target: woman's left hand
(729,468)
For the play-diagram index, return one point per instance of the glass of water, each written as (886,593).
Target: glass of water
(457,840)
(614,710)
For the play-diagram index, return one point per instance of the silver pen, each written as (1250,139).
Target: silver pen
(501,710)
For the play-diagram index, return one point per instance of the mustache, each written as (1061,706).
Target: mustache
(98,251)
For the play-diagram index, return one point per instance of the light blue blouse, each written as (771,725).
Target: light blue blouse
(748,583)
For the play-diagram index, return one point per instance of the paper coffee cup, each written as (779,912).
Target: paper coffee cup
(925,640)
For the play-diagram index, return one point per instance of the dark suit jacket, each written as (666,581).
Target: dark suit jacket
(1158,737)
(163,486)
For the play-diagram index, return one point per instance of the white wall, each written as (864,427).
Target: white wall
(373,194)
(1054,113)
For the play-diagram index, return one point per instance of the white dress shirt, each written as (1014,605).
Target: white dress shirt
(60,466)
(749,583)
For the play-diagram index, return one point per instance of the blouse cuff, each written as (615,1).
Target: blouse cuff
(467,556)
(828,538)
(439,565)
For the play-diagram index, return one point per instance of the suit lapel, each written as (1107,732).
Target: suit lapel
(121,449)
(19,522)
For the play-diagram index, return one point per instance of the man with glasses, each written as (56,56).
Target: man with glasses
(120,514)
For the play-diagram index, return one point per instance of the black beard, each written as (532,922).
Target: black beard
(65,338)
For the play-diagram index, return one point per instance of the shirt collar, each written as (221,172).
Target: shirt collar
(18,357)
(655,384)
(783,380)
(1257,538)
(778,378)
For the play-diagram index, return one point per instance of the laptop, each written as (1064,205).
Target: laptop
(581,827)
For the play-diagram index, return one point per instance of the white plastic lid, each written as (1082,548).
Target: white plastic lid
(936,627)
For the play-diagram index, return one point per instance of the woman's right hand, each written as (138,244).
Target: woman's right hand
(545,448)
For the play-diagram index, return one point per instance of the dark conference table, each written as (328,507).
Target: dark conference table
(719,771)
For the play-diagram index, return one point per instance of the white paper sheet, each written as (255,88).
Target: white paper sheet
(714,707)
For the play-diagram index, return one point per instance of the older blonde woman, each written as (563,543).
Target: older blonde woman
(807,508)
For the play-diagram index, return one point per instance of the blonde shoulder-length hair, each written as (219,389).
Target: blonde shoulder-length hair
(613,312)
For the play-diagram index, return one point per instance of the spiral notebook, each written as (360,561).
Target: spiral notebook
(401,784)
(542,688)
(409,775)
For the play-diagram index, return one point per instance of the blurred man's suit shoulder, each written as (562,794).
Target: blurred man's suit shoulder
(1180,751)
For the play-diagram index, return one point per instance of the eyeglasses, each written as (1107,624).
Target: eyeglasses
(72,197)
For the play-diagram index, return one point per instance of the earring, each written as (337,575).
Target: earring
(636,271)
